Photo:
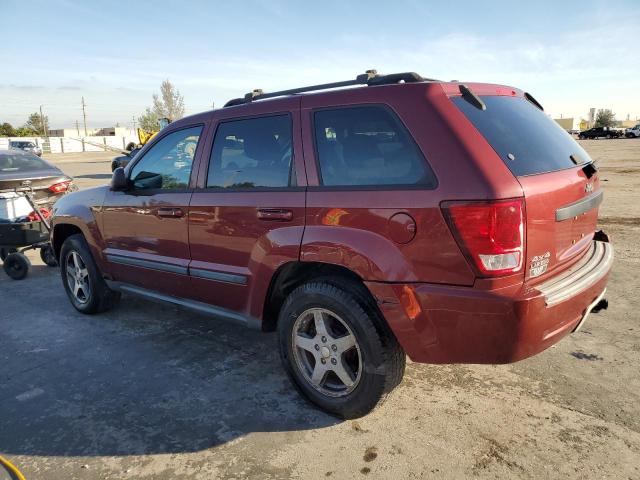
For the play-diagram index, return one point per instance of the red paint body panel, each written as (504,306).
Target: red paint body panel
(471,325)
(226,236)
(566,239)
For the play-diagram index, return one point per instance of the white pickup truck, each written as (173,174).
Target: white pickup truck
(633,132)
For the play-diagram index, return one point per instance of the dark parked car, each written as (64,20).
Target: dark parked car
(27,146)
(599,132)
(452,223)
(18,168)
(22,169)
(123,160)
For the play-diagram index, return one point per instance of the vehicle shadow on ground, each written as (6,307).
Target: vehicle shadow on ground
(142,379)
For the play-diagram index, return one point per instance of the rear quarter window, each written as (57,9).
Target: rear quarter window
(368,146)
(523,136)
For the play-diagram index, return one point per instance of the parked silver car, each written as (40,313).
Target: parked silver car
(27,146)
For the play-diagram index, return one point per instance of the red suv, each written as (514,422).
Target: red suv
(453,223)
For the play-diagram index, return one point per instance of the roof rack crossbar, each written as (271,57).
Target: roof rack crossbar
(371,77)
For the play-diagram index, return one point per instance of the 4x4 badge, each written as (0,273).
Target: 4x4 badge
(539,264)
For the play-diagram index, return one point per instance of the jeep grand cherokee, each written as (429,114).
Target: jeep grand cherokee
(450,222)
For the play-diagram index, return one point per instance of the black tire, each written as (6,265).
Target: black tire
(114,165)
(16,265)
(97,297)
(48,256)
(580,137)
(609,136)
(4,252)
(382,360)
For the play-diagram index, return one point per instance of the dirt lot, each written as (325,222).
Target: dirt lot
(155,392)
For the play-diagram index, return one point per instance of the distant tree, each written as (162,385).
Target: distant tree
(25,132)
(35,123)
(169,103)
(605,118)
(7,130)
(149,121)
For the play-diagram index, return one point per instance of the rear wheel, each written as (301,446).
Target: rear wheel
(82,279)
(336,352)
(16,265)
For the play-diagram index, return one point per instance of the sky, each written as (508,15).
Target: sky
(569,55)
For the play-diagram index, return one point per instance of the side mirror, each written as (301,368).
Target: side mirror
(119,180)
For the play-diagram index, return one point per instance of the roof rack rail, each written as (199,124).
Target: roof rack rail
(370,77)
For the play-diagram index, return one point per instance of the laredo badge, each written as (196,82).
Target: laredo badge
(539,264)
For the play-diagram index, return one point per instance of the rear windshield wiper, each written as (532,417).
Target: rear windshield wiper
(589,169)
(529,97)
(471,97)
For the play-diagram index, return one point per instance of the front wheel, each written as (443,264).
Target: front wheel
(580,137)
(82,279)
(335,350)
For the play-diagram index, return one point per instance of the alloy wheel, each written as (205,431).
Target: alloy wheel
(78,277)
(326,352)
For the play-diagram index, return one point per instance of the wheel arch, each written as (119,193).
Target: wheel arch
(293,274)
(60,233)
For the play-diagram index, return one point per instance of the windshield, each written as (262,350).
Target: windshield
(23,144)
(525,138)
(20,163)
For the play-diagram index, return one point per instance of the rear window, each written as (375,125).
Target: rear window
(21,163)
(525,138)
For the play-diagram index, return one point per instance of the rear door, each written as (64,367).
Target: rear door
(559,181)
(246,218)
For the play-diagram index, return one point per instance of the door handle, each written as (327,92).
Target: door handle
(275,214)
(170,212)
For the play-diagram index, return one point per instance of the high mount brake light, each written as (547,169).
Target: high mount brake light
(59,187)
(490,233)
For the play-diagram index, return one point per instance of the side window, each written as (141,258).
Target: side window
(167,165)
(252,153)
(367,146)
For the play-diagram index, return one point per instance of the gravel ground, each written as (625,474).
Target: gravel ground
(154,392)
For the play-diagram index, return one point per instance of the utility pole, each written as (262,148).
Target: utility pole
(134,123)
(84,115)
(42,122)
(77,128)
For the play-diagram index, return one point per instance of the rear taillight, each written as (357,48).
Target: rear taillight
(59,187)
(490,233)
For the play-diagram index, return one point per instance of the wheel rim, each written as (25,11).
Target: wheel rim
(326,352)
(78,278)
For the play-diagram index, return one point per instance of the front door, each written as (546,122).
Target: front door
(146,227)
(247,218)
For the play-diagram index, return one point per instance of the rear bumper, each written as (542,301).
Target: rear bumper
(444,324)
